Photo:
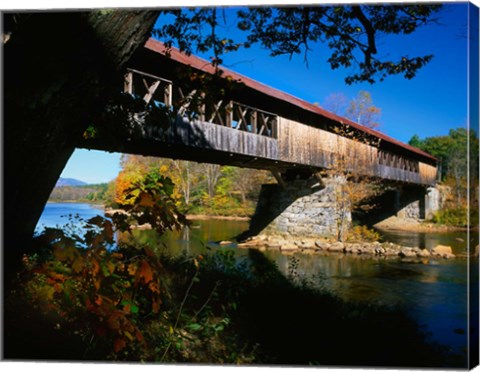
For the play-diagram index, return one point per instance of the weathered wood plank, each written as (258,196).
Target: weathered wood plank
(306,145)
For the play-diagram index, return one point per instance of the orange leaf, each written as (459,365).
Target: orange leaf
(132,269)
(115,320)
(145,272)
(95,266)
(154,287)
(146,200)
(119,344)
(117,255)
(97,282)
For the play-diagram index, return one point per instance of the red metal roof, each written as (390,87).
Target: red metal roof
(206,66)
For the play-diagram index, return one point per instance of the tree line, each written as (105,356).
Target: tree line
(457,154)
(96,193)
(199,188)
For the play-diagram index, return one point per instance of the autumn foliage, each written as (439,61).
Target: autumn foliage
(102,291)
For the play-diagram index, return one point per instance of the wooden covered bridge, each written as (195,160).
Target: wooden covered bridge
(253,125)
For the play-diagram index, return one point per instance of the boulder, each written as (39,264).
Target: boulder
(423,253)
(379,251)
(336,247)
(441,250)
(322,245)
(407,252)
(245,245)
(289,248)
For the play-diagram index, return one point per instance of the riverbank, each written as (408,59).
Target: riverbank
(204,217)
(404,224)
(93,203)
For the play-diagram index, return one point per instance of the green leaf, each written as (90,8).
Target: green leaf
(194,326)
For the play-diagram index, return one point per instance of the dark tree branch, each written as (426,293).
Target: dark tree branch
(372,49)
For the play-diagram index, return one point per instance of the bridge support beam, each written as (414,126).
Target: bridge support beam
(432,202)
(300,208)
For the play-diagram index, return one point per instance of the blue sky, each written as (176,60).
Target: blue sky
(428,105)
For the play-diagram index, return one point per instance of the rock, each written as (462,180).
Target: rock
(246,245)
(306,244)
(336,247)
(368,249)
(278,241)
(423,253)
(379,251)
(390,252)
(289,248)
(441,250)
(321,244)
(407,252)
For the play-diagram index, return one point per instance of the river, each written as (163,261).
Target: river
(434,291)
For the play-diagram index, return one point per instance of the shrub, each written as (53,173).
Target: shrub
(361,233)
(451,217)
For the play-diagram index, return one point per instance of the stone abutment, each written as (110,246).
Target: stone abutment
(311,208)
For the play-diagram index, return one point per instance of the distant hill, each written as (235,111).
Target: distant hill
(69,182)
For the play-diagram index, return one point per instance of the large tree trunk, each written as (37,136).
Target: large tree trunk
(59,70)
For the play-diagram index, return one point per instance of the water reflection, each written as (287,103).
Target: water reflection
(193,239)
(458,240)
(433,291)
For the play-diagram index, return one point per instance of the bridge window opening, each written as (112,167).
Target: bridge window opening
(395,161)
(159,92)
(152,89)
(253,120)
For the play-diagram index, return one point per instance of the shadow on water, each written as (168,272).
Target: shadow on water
(295,324)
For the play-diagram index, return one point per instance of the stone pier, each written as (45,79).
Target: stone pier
(415,202)
(299,208)
(308,207)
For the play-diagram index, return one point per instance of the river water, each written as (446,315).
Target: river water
(435,291)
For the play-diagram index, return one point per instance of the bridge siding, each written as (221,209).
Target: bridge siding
(303,144)
(316,147)
(215,137)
